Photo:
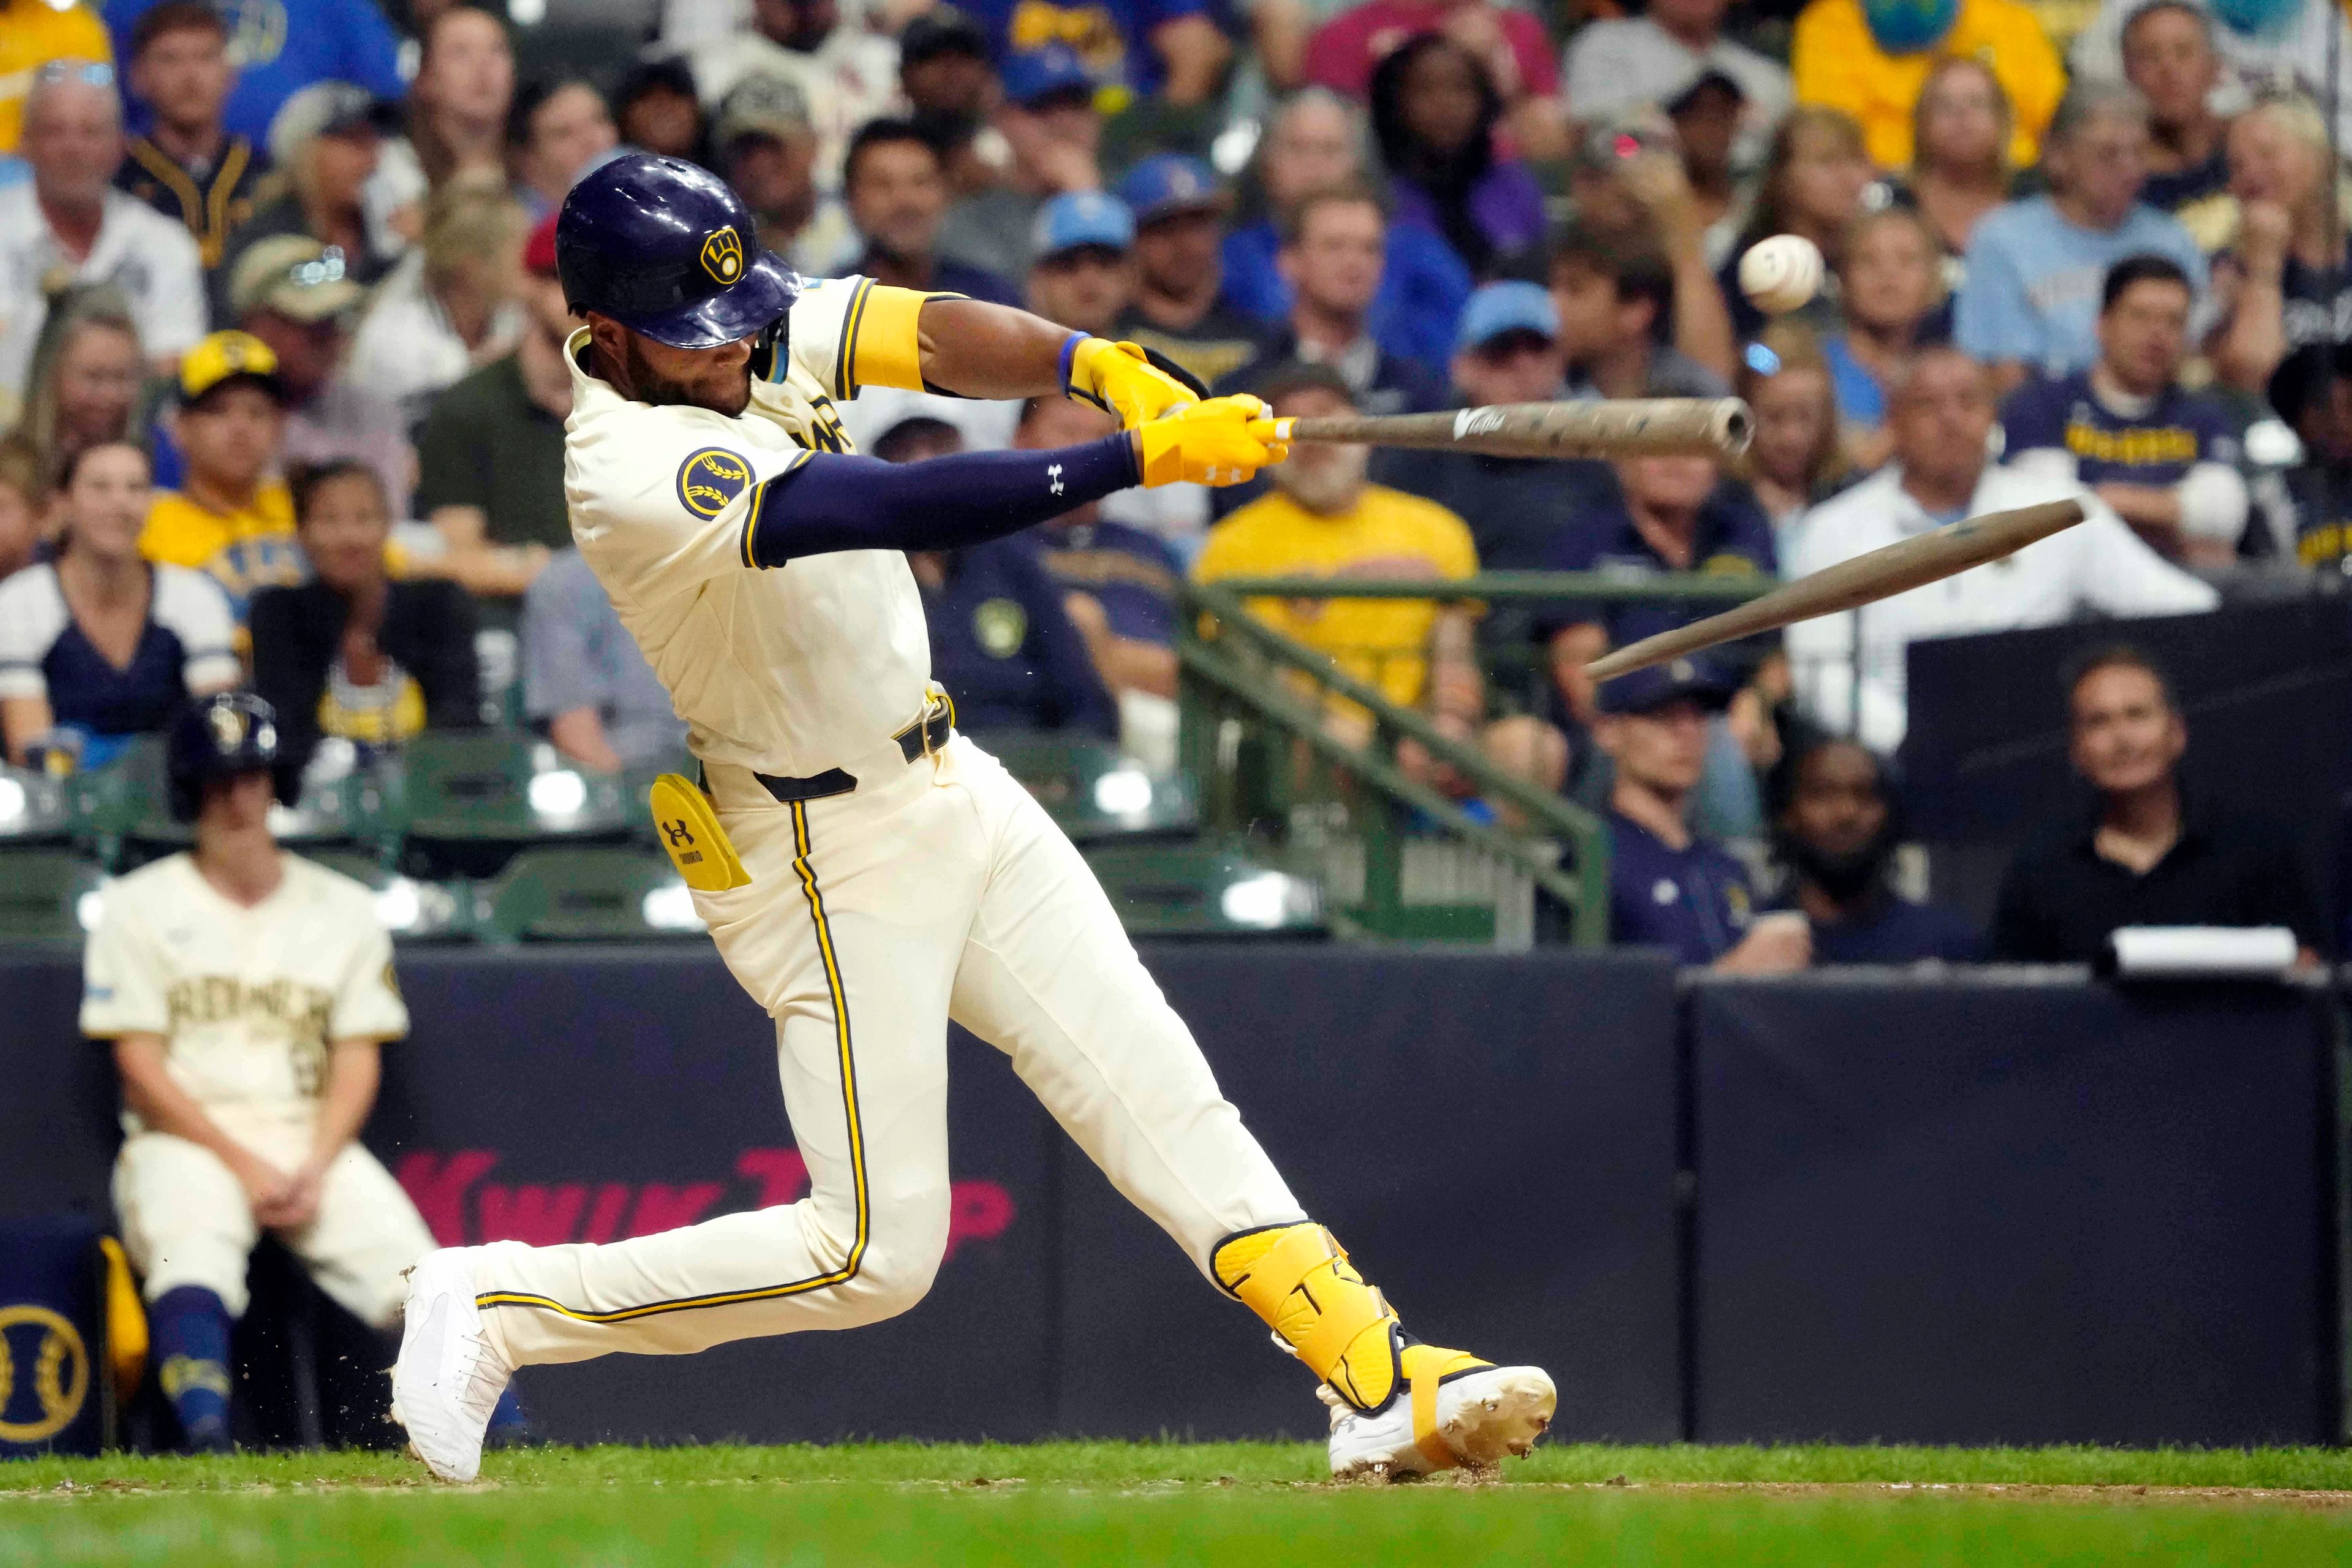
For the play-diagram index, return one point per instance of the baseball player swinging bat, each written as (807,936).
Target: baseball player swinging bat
(1660,427)
(867,872)
(1880,575)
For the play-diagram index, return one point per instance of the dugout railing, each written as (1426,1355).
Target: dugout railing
(1305,758)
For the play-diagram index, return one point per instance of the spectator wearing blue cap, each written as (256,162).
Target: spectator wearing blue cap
(1508,350)
(1081,278)
(1169,50)
(1180,212)
(1669,887)
(1316,142)
(1054,131)
(1332,248)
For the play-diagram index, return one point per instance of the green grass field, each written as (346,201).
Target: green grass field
(1265,1504)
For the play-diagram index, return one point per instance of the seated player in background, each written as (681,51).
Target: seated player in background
(2163,458)
(1179,307)
(1835,830)
(584,681)
(2146,851)
(1940,414)
(1668,886)
(99,645)
(247,994)
(1120,584)
(1675,515)
(1002,639)
(355,652)
(232,515)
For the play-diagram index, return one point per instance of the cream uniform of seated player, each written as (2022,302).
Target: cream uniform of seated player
(245,992)
(867,873)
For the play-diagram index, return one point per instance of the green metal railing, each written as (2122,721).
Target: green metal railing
(1261,749)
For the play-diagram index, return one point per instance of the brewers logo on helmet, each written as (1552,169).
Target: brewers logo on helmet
(219,737)
(660,246)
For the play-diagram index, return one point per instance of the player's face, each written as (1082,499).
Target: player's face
(2125,736)
(644,371)
(238,804)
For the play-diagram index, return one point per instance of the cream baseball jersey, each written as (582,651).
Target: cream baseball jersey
(247,999)
(792,670)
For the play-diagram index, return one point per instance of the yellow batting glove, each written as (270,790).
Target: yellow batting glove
(1212,443)
(1122,379)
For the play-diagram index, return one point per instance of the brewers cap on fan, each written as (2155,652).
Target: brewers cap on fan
(665,248)
(220,737)
(226,357)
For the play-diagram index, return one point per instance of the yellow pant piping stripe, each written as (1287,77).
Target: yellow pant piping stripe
(848,1270)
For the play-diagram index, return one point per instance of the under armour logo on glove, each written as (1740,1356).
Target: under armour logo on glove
(1054,472)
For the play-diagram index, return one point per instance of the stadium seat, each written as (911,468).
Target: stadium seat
(34,808)
(1093,792)
(411,909)
(468,800)
(589,894)
(47,895)
(1204,890)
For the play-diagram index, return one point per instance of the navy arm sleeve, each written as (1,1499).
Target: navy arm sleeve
(831,502)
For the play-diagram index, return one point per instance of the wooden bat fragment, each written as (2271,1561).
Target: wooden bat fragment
(1880,575)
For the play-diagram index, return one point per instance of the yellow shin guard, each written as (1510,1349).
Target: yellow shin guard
(1297,1279)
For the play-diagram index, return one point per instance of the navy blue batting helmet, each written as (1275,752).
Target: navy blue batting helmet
(219,737)
(665,248)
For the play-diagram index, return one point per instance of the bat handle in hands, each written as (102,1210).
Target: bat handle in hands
(1273,432)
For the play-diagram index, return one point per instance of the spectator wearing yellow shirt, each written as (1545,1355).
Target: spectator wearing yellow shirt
(32,34)
(1871,59)
(1324,519)
(232,515)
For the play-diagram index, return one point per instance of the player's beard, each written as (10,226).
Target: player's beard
(648,385)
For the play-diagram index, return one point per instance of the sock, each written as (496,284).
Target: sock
(190,1328)
(507,1415)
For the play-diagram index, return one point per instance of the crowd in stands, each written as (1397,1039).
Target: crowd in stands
(283,371)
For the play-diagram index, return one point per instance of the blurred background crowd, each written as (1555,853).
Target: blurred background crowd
(282,370)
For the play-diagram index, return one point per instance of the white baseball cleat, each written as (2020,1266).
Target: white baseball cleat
(1475,1417)
(448,1379)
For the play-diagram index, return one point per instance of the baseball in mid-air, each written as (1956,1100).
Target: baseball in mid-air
(1780,273)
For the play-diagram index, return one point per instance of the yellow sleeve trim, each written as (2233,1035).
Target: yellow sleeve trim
(885,348)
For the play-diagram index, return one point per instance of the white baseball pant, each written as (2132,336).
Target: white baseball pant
(186,1220)
(937,890)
